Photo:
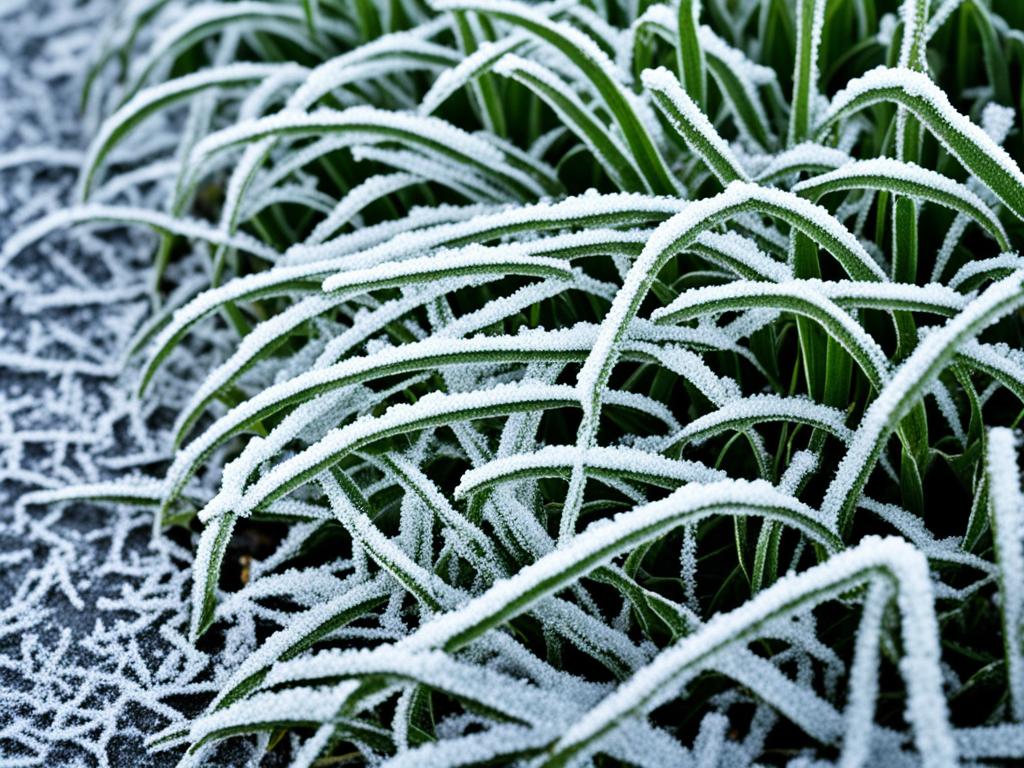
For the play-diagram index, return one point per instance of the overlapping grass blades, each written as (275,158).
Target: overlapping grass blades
(571,339)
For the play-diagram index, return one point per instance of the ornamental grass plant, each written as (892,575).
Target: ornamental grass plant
(603,382)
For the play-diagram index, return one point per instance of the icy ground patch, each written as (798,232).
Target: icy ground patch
(94,653)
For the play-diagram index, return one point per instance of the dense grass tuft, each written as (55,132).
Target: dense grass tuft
(610,383)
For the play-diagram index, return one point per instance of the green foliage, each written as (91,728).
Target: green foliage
(571,340)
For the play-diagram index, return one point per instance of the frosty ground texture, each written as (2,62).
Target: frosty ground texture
(94,653)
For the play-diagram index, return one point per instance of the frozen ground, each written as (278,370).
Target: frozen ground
(93,649)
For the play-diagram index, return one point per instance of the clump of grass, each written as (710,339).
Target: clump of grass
(585,354)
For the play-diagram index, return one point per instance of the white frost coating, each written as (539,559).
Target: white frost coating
(601,541)
(862,294)
(301,625)
(939,16)
(1002,263)
(744,251)
(913,15)
(500,693)
(472,259)
(911,527)
(428,587)
(129,489)
(355,200)
(749,71)
(681,361)
(526,72)
(499,743)
(800,466)
(537,342)
(768,236)
(244,173)
(278,279)
(617,460)
(327,76)
(582,211)
(291,163)
(598,72)
(311,419)
(372,239)
(815,25)
(353,118)
(498,309)
(863,683)
(317,705)
(259,98)
(918,85)
(114,215)
(282,280)
(749,74)
(806,292)
(585,242)
(239,73)
(536,18)
(920,666)
(1005,501)
(470,185)
(53,157)
(843,292)
(642,403)
(694,218)
(917,371)
(451,80)
(254,342)
(366,124)
(594,24)
(804,156)
(662,81)
(995,358)
(659,18)
(909,173)
(373,322)
(466,537)
(947,407)
(432,406)
(294,194)
(206,15)
(205,567)
(997,121)
(525,160)
(995,741)
(744,412)
(309,585)
(344,368)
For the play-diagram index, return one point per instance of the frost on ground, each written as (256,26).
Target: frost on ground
(94,655)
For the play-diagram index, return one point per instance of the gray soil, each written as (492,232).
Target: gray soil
(94,656)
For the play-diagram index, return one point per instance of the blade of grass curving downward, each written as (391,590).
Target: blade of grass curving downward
(594,65)
(907,385)
(989,162)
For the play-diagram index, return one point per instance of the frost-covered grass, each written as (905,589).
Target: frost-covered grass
(597,382)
